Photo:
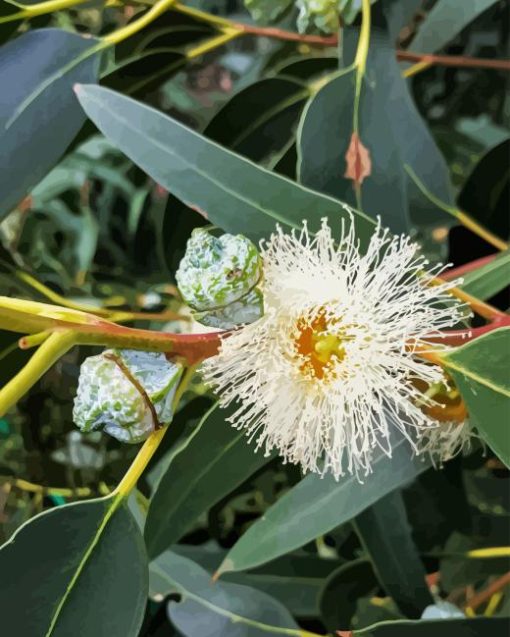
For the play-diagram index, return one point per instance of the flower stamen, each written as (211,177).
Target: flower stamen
(318,346)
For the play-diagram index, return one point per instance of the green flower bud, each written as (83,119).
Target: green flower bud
(248,309)
(126,393)
(267,10)
(321,14)
(217,278)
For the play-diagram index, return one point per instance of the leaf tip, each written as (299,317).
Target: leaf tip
(226,566)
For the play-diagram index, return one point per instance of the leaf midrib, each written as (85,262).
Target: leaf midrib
(490,269)
(319,503)
(481,380)
(88,94)
(224,612)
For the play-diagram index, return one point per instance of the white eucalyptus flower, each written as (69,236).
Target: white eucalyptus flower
(330,365)
(447,440)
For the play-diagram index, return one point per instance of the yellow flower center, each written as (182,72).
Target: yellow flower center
(448,407)
(318,346)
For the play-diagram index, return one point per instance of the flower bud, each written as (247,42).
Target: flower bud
(246,310)
(127,393)
(321,14)
(217,278)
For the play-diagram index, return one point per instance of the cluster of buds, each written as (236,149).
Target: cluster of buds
(321,15)
(218,279)
(126,393)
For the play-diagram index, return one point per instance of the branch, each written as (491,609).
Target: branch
(484,596)
(332,40)
(456,338)
(453,60)
(282,34)
(461,270)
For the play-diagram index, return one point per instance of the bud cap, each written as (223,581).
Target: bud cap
(117,388)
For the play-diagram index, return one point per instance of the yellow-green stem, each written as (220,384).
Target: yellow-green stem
(79,492)
(137,25)
(203,16)
(493,551)
(360,61)
(48,353)
(461,217)
(58,298)
(41,8)
(226,35)
(128,482)
(417,68)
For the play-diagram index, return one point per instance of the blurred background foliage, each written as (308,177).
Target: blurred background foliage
(97,230)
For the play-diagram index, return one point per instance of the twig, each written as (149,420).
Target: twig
(79,492)
(483,596)
(453,60)
(282,34)
(461,270)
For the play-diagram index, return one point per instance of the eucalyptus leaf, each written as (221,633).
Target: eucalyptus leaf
(489,279)
(480,371)
(80,563)
(486,192)
(389,126)
(209,610)
(316,505)
(479,627)
(343,588)
(228,189)
(296,580)
(445,21)
(214,460)
(259,120)
(39,113)
(387,537)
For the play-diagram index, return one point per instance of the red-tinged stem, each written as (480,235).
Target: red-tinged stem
(282,34)
(453,60)
(480,598)
(454,273)
(192,347)
(460,337)
(410,56)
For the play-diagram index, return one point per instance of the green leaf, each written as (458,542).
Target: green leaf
(295,580)
(486,193)
(480,371)
(322,150)
(342,589)
(79,567)
(459,570)
(225,609)
(390,127)
(489,279)
(387,537)
(399,14)
(267,10)
(144,72)
(308,69)
(231,191)
(479,627)
(214,460)
(260,119)
(39,114)
(317,505)
(445,21)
